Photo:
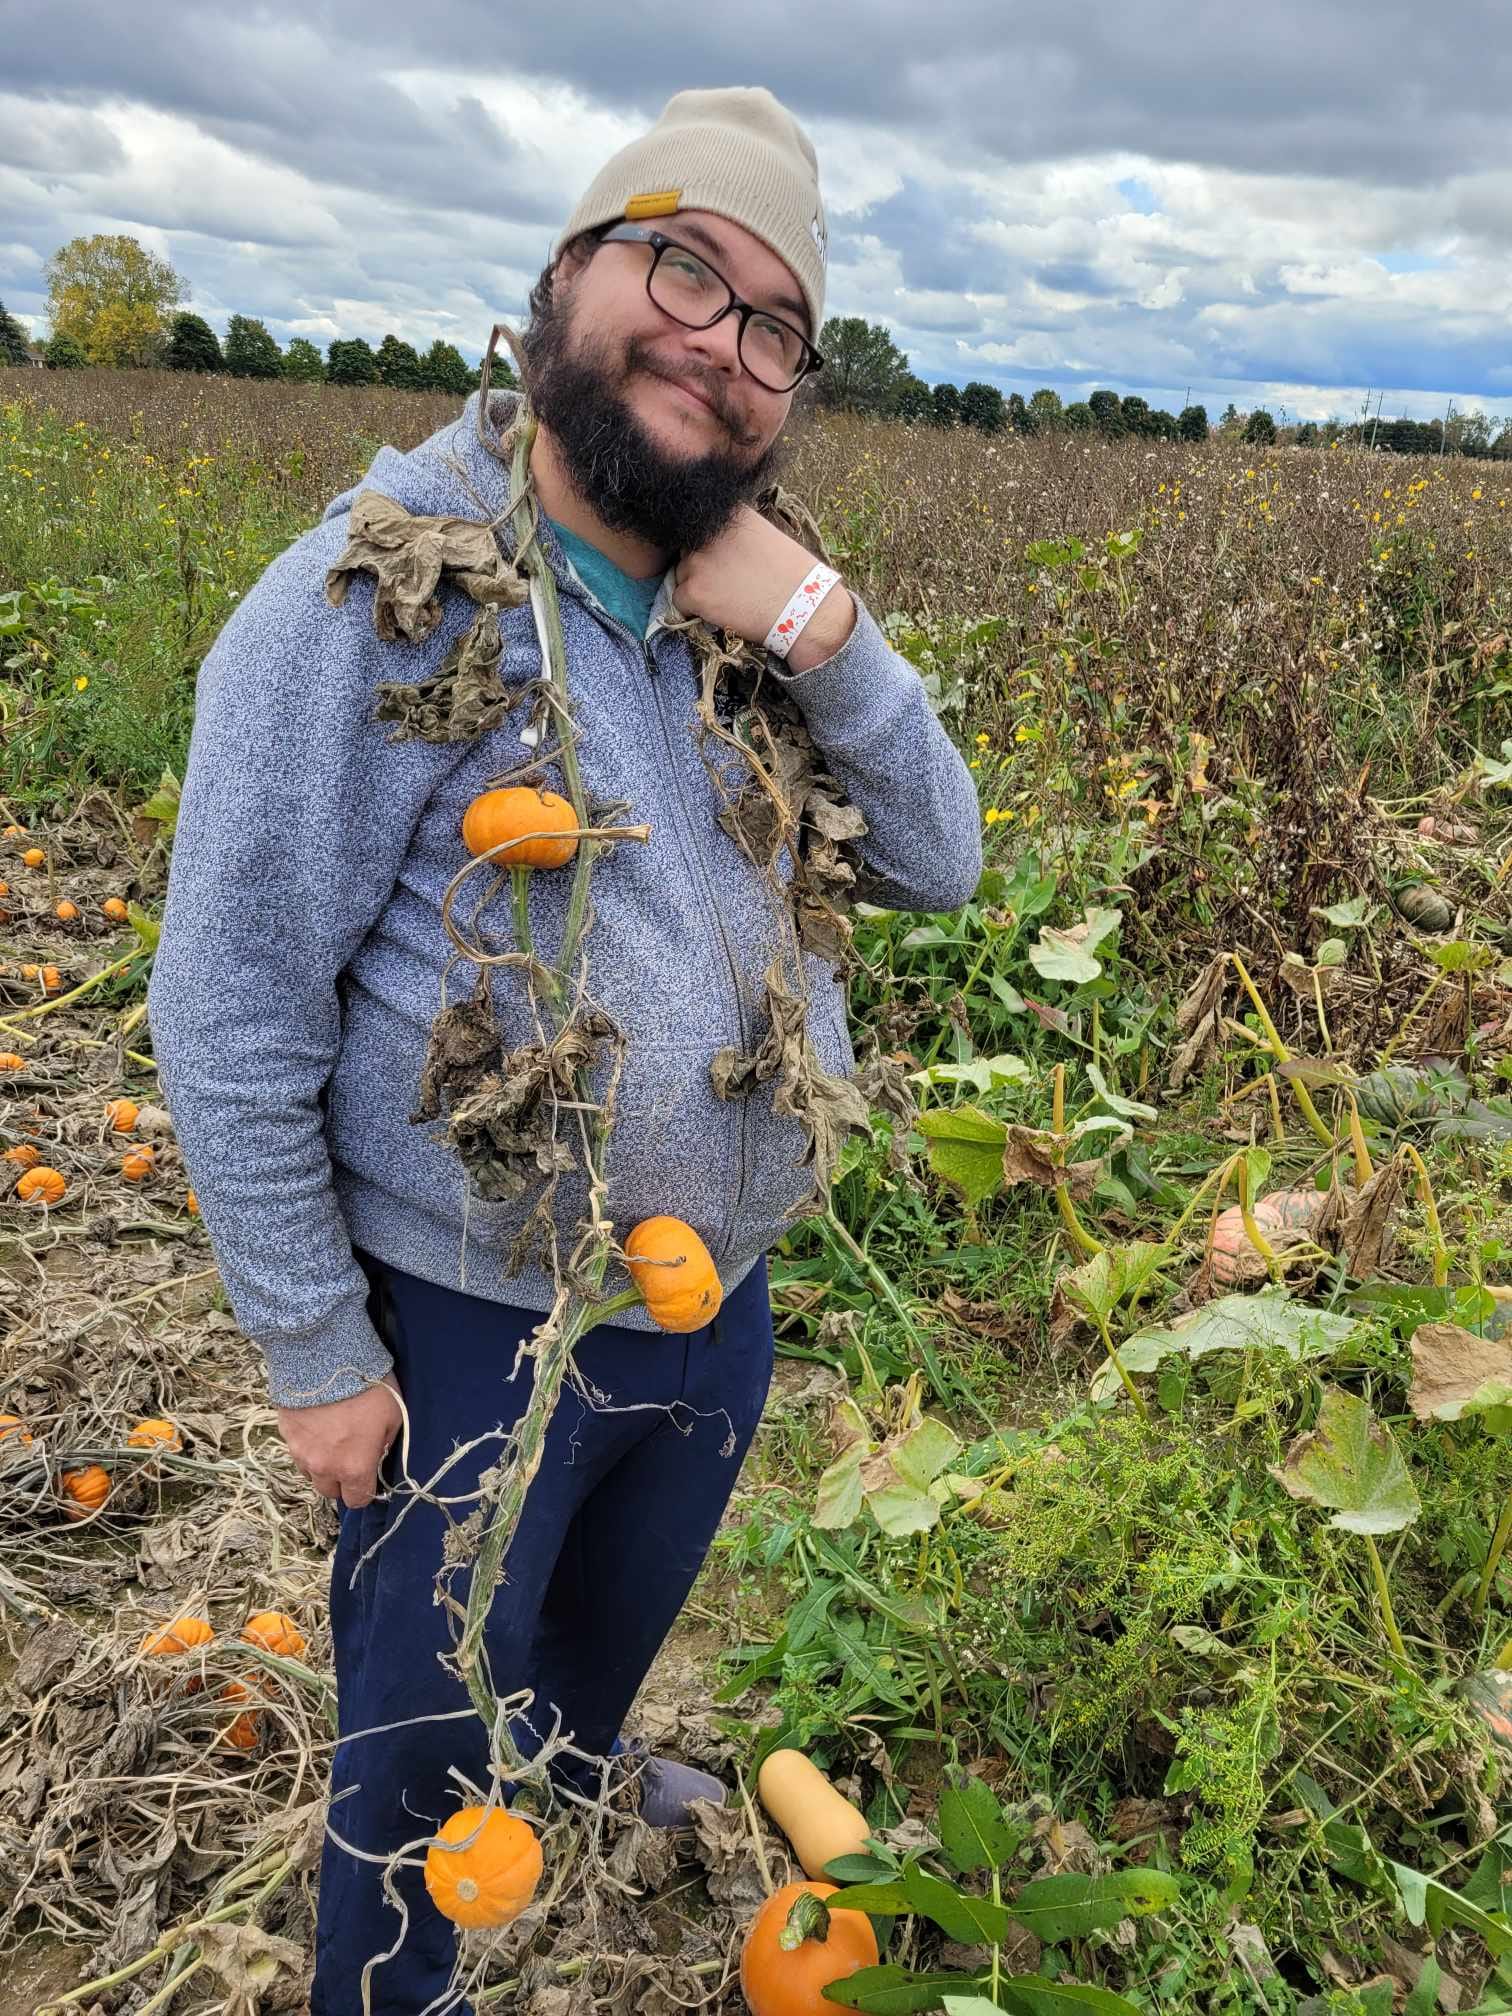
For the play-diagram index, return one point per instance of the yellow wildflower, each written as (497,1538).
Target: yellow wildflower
(983,740)
(81,682)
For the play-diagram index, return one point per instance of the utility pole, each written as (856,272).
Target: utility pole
(1444,429)
(1377,421)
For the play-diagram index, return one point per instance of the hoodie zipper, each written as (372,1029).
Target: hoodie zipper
(694,855)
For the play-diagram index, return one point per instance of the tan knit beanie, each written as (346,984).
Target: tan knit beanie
(736,152)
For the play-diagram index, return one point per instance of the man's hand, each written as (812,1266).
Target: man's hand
(742,583)
(341,1444)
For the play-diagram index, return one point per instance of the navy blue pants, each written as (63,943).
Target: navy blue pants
(616,1526)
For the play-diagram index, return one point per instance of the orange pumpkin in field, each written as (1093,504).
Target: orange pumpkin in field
(155,1433)
(115,910)
(138,1165)
(84,1491)
(1234,1258)
(44,1186)
(778,1982)
(34,857)
(496,816)
(24,1155)
(489,1882)
(12,1424)
(184,1634)
(66,912)
(677,1278)
(122,1115)
(275,1632)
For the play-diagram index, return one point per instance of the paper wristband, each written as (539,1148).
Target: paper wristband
(810,592)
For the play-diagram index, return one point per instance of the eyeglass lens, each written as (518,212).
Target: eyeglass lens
(686,288)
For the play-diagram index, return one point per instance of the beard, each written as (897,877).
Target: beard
(677,503)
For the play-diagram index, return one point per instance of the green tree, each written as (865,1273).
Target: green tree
(1107,413)
(351,362)
(444,369)
(251,351)
(1078,417)
(863,367)
(914,400)
(13,345)
(398,365)
(63,354)
(946,399)
(112,299)
(1045,405)
(1164,426)
(1193,423)
(302,362)
(1230,415)
(1307,434)
(983,407)
(1260,427)
(193,345)
(1135,414)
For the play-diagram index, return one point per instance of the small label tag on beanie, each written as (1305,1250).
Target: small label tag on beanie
(656,203)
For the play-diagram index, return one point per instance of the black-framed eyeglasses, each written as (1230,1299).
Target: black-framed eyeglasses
(685,286)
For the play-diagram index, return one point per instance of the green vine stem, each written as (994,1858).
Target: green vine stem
(1430,1212)
(1383,1593)
(1282,1055)
(1078,1234)
(1498,1547)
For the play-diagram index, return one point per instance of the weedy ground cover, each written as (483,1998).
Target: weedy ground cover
(1139,1452)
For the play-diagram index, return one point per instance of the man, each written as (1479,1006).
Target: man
(302,964)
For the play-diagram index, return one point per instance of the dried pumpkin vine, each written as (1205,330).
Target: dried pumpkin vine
(525,1116)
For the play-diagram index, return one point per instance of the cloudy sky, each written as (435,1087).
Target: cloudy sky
(1280,204)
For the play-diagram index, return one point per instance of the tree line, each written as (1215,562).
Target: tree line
(111,303)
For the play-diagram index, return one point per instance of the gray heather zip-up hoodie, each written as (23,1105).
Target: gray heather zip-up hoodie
(302,948)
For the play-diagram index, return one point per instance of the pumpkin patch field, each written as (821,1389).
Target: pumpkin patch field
(1115,1609)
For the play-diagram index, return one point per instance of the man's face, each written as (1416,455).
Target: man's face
(659,427)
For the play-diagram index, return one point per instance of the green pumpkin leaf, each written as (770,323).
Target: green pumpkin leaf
(1068,954)
(1055,1908)
(148,929)
(966,1148)
(1350,1464)
(923,1452)
(900,1509)
(839,1498)
(1128,1109)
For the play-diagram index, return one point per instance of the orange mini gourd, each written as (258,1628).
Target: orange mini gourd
(242,1731)
(275,1632)
(25,1155)
(792,1983)
(34,857)
(172,1640)
(137,1165)
(11,1060)
(122,1115)
(12,1424)
(15,832)
(84,1491)
(492,1880)
(155,1433)
(52,980)
(41,1184)
(501,815)
(4,888)
(115,910)
(677,1279)
(66,911)
(191,1204)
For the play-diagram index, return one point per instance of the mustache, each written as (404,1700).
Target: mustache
(706,383)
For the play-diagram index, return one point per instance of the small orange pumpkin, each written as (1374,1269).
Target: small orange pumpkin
(30,972)
(677,1279)
(191,1204)
(4,888)
(15,832)
(779,1983)
(275,1632)
(491,1881)
(1234,1258)
(34,857)
(12,1424)
(171,1640)
(122,1115)
(242,1731)
(85,1490)
(51,980)
(43,1183)
(505,814)
(138,1165)
(155,1433)
(66,911)
(115,910)
(11,1060)
(25,1155)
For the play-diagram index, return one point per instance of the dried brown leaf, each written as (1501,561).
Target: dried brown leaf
(408,556)
(1454,1370)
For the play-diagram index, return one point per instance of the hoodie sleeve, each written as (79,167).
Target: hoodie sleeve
(295,817)
(867,710)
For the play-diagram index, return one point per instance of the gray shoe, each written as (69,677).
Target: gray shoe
(667,1787)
